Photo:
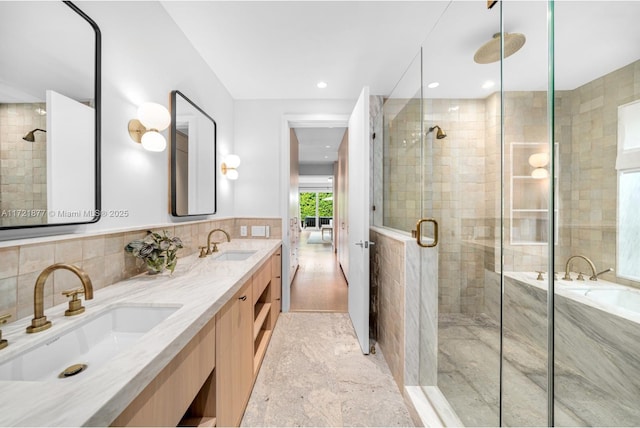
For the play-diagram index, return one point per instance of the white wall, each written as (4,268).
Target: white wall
(145,56)
(258,142)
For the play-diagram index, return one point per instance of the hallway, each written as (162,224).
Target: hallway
(319,285)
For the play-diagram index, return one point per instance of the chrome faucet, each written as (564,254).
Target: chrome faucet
(594,275)
(39,321)
(215,244)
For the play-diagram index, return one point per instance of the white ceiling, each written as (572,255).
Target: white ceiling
(281,49)
(319,145)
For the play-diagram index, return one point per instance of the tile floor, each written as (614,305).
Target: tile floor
(314,374)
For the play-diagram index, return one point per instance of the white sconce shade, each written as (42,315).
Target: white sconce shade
(152,118)
(232,161)
(153,141)
(232,174)
(229,166)
(539,160)
(539,173)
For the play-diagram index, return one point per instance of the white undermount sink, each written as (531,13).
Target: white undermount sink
(92,343)
(234,255)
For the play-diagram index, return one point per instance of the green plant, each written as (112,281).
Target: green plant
(157,251)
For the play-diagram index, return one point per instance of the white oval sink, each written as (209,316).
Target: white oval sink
(92,342)
(234,255)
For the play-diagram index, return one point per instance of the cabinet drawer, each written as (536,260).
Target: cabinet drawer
(261,279)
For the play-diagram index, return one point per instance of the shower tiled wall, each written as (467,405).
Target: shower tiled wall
(101,256)
(463,179)
(588,167)
(22,164)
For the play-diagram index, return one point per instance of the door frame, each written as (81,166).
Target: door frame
(296,121)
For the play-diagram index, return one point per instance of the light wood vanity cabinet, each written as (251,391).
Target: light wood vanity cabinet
(210,381)
(234,357)
(166,399)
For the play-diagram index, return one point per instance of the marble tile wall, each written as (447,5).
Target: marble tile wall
(376,158)
(407,329)
(388,276)
(402,168)
(23,172)
(588,164)
(101,256)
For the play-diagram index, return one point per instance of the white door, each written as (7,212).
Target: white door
(358,218)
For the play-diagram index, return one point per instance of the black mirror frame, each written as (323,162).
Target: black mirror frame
(97,77)
(174,163)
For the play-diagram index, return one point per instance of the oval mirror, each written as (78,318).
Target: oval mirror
(49,115)
(193,158)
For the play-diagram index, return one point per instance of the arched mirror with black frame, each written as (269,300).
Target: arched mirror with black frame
(193,158)
(49,115)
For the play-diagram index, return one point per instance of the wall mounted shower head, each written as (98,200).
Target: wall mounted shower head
(30,137)
(440,134)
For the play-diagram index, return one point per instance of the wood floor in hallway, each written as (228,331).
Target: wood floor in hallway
(319,285)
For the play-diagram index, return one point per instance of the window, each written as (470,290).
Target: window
(316,209)
(628,166)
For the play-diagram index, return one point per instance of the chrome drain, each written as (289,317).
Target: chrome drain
(72,370)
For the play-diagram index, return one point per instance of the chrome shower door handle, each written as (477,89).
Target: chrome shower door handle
(419,232)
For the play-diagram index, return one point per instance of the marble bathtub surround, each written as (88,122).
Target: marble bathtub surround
(102,256)
(200,287)
(596,346)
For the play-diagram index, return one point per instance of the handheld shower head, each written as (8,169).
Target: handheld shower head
(30,137)
(440,134)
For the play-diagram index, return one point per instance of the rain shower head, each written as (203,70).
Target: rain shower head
(490,51)
(30,137)
(440,134)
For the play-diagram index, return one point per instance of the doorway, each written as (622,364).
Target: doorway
(319,284)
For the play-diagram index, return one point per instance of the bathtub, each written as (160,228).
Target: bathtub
(619,300)
(596,333)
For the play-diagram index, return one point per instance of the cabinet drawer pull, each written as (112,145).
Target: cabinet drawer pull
(278,298)
(243,298)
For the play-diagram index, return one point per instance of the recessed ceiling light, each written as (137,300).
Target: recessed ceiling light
(488,84)
(328,147)
(321,85)
(433,85)
(326,157)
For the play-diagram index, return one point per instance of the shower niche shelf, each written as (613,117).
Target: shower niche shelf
(529,195)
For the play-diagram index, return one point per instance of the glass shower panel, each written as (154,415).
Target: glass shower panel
(597,323)
(402,151)
(527,213)
(461,189)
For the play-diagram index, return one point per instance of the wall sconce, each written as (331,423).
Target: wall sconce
(539,161)
(152,118)
(229,166)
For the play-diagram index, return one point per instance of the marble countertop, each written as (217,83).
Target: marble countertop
(200,286)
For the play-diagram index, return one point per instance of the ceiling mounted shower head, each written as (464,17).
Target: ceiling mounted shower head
(490,51)
(30,137)
(440,134)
